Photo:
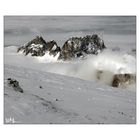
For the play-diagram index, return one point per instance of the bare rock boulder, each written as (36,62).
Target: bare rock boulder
(14,84)
(122,80)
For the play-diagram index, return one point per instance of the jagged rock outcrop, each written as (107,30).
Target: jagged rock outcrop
(81,46)
(74,47)
(122,80)
(14,84)
(38,47)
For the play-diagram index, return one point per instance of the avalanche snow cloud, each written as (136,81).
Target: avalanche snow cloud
(101,67)
(57,99)
(77,78)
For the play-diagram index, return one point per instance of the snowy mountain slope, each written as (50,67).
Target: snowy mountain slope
(52,98)
(101,68)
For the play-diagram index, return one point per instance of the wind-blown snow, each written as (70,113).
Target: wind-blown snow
(53,98)
(102,66)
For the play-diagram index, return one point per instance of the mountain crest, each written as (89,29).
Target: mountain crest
(38,47)
(74,47)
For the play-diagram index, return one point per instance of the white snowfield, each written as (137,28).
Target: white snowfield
(56,99)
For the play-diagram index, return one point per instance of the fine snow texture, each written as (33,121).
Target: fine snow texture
(54,99)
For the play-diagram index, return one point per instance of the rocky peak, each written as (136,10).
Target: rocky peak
(75,47)
(38,47)
(53,48)
(80,46)
(37,40)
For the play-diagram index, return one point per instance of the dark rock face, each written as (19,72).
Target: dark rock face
(53,48)
(79,47)
(74,47)
(121,80)
(14,84)
(38,47)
